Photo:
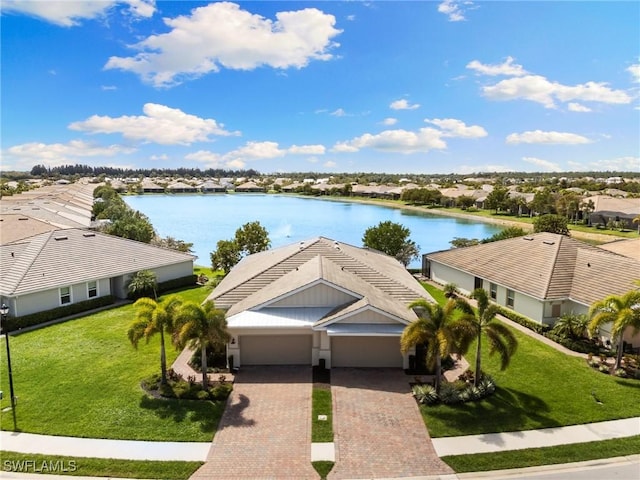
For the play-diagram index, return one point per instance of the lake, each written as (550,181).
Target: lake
(205,219)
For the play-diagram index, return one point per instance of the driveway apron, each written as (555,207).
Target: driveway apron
(378,429)
(265,431)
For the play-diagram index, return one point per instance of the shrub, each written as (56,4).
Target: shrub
(604,368)
(621,372)
(221,392)
(177,283)
(17,323)
(522,320)
(450,393)
(425,394)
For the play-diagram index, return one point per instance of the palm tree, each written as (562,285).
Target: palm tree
(622,311)
(142,283)
(450,290)
(472,325)
(201,326)
(571,325)
(153,317)
(434,328)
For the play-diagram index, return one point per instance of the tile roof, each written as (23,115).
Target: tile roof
(64,257)
(546,266)
(256,272)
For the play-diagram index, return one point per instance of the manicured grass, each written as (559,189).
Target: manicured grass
(323,468)
(435,292)
(97,467)
(82,378)
(322,430)
(541,388)
(578,452)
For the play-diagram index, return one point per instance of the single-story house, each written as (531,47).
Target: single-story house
(62,267)
(541,276)
(250,187)
(318,302)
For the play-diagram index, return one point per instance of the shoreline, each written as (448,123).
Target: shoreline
(595,237)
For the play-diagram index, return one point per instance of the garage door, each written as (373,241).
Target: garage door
(366,352)
(275,349)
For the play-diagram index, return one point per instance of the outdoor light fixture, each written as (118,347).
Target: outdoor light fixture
(233,340)
(4,312)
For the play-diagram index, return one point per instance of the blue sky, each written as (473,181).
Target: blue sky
(398,87)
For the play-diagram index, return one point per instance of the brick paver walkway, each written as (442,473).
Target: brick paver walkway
(265,432)
(378,430)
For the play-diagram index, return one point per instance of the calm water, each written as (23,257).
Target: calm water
(205,219)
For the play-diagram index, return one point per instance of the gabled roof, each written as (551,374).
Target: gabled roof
(260,272)
(65,257)
(546,266)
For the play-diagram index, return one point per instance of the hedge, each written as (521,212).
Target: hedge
(16,323)
(177,283)
(524,321)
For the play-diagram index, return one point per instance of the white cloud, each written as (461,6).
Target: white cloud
(634,70)
(221,35)
(620,164)
(70,13)
(107,88)
(538,89)
(403,104)
(330,164)
(53,154)
(339,113)
(405,141)
(351,18)
(162,157)
(549,138)
(159,124)
(544,165)
(507,68)
(577,107)
(400,141)
(454,9)
(457,128)
(306,150)
(389,121)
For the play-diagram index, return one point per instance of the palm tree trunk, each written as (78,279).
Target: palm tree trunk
(620,351)
(438,371)
(163,359)
(203,362)
(476,378)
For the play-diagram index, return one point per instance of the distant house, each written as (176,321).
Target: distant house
(250,187)
(212,187)
(62,267)
(318,301)
(181,187)
(608,209)
(148,186)
(541,276)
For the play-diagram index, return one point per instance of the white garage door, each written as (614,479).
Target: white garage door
(275,349)
(366,352)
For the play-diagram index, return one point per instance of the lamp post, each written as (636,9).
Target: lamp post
(4,311)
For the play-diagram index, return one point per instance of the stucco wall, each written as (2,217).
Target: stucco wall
(445,274)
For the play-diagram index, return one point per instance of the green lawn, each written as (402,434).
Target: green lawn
(541,388)
(577,452)
(96,467)
(321,430)
(82,378)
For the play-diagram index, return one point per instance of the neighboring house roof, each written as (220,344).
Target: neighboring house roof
(630,206)
(65,257)
(628,248)
(546,266)
(370,280)
(16,227)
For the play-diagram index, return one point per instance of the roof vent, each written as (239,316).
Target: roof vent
(61,238)
(23,218)
(88,235)
(527,238)
(548,242)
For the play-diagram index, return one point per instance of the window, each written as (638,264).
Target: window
(556,308)
(477,282)
(493,291)
(65,295)
(510,297)
(92,289)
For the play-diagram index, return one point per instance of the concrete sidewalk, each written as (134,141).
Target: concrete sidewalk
(198,451)
(546,437)
(102,448)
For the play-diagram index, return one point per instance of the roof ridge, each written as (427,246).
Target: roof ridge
(553,265)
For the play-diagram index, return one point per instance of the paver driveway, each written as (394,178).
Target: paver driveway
(378,430)
(265,432)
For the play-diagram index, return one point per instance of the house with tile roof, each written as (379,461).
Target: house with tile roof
(541,276)
(318,302)
(61,267)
